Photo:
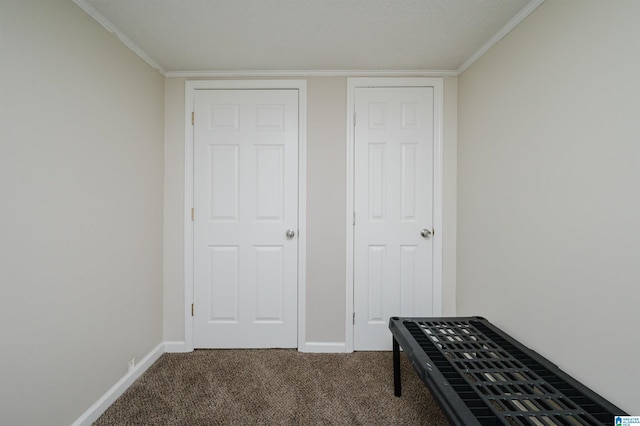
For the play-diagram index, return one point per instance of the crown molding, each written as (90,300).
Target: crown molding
(108,25)
(513,22)
(311,73)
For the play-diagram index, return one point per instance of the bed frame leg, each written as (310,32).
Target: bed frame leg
(397,383)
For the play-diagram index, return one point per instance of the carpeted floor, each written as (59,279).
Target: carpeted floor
(274,387)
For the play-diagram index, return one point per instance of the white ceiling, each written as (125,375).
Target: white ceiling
(213,36)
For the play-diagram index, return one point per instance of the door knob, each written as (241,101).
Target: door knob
(426,233)
(291,233)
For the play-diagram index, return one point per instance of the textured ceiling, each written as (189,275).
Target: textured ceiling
(248,35)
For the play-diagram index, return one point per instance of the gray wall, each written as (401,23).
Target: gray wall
(326,208)
(548,173)
(81,187)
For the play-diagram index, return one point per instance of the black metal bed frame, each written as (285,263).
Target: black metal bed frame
(479,375)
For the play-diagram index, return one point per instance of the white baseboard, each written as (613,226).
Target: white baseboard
(96,410)
(323,347)
(176,347)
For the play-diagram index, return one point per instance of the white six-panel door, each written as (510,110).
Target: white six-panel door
(246,213)
(393,203)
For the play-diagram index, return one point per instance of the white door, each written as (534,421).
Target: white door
(393,248)
(246,218)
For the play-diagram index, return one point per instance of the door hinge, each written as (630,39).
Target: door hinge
(193,118)
(354,218)
(354,119)
(193,214)
(192,309)
(354,318)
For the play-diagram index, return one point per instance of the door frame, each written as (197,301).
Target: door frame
(191,86)
(438,162)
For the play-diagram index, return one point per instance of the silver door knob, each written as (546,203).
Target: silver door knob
(291,233)
(426,233)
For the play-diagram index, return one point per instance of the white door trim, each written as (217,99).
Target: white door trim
(438,161)
(190,88)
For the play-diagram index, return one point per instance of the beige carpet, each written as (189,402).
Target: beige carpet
(274,387)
